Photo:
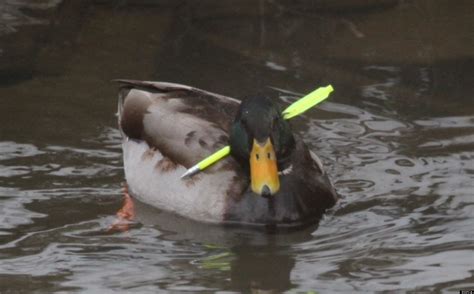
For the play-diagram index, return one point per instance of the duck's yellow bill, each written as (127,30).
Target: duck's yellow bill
(263,169)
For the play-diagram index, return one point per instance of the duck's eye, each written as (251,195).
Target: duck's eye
(269,155)
(257,156)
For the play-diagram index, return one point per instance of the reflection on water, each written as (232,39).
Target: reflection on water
(397,139)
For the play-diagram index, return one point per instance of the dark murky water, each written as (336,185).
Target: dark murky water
(397,138)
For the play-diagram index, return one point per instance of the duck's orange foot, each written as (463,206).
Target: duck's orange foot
(125,215)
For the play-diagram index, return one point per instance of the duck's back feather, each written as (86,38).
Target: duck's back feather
(167,128)
(186,124)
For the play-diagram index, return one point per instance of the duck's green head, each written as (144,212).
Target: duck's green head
(261,141)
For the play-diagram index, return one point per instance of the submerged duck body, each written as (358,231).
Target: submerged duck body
(167,128)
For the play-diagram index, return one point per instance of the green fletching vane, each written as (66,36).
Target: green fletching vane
(297,108)
(307,102)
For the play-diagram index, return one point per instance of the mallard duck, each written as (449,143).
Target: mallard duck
(271,177)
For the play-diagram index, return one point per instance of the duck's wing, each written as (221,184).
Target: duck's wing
(185,124)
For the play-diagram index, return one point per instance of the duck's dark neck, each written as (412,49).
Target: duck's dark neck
(305,193)
(285,160)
